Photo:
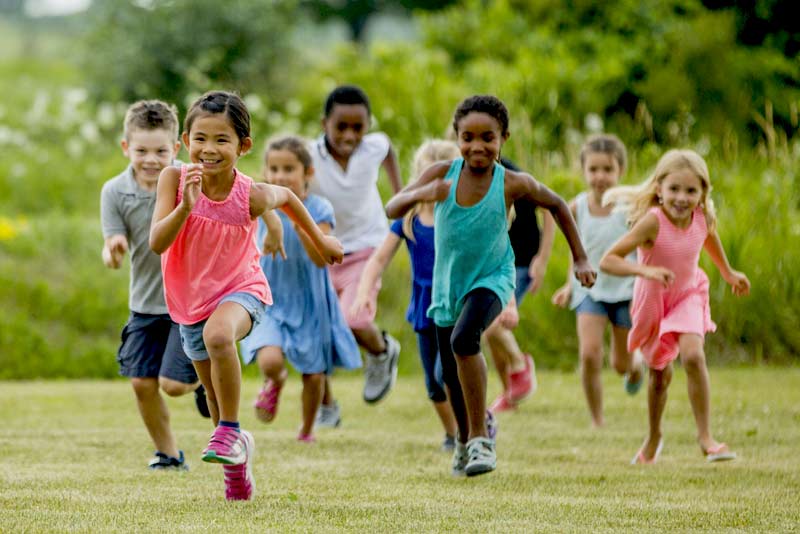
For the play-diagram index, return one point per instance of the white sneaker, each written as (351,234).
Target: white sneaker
(381,371)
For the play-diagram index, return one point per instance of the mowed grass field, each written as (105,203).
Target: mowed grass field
(74,455)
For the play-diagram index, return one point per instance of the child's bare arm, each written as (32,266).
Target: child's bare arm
(737,280)
(273,240)
(308,245)
(265,197)
(643,232)
(373,270)
(392,169)
(522,185)
(428,187)
(114,250)
(168,218)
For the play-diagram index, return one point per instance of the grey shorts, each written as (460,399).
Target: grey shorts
(192,335)
(150,347)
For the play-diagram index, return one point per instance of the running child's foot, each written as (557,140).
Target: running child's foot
(502,404)
(266,403)
(522,384)
(460,459)
(328,416)
(306,438)
(201,402)
(381,370)
(448,443)
(717,452)
(226,446)
(649,451)
(482,456)
(239,482)
(163,461)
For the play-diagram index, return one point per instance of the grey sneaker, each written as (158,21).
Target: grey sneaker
(460,459)
(482,456)
(328,416)
(491,425)
(381,371)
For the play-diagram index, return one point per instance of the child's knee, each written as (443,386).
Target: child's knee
(693,360)
(216,338)
(465,342)
(145,388)
(174,388)
(592,356)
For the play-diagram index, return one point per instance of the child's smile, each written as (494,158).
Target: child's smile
(680,192)
(480,139)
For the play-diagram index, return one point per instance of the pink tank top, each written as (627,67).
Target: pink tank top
(213,255)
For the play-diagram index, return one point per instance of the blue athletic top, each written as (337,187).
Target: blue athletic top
(422,257)
(472,248)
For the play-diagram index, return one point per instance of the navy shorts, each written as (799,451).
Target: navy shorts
(151,347)
(617,312)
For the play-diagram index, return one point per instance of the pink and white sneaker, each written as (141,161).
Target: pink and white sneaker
(226,446)
(239,482)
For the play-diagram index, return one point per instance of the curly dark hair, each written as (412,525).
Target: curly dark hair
(347,95)
(491,105)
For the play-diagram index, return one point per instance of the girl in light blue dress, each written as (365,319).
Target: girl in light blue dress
(305,324)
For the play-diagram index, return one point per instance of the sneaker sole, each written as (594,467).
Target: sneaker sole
(389,386)
(480,469)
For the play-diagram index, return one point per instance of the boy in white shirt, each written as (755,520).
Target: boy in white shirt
(347,161)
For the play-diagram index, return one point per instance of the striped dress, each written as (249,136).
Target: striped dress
(660,314)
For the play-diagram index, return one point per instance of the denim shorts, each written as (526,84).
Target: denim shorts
(151,347)
(523,283)
(617,312)
(192,335)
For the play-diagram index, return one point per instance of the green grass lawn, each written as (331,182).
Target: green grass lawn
(74,456)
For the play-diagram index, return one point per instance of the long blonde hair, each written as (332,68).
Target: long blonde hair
(636,200)
(427,154)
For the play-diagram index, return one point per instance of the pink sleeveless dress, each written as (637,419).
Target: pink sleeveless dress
(660,314)
(214,255)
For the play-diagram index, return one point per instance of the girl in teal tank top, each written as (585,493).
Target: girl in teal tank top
(473,275)
(472,248)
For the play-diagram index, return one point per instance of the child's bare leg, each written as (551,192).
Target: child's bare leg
(500,356)
(327,392)
(590,340)
(446,416)
(203,370)
(173,388)
(370,338)
(472,376)
(313,386)
(656,401)
(452,382)
(155,414)
(270,361)
(693,359)
(621,359)
(229,323)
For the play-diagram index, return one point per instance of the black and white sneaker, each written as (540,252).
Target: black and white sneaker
(201,402)
(162,461)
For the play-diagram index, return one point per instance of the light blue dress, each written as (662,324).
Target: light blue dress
(305,320)
(472,248)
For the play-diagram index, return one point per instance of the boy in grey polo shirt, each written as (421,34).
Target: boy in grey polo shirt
(150,353)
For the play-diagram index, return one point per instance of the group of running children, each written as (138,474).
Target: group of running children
(205,238)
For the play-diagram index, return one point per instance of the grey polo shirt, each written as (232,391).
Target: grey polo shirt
(127,209)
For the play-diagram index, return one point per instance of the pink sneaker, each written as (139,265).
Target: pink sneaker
(502,404)
(306,438)
(266,404)
(226,446)
(239,482)
(522,384)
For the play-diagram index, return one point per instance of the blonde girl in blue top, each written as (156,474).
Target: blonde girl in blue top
(473,277)
(416,229)
(603,161)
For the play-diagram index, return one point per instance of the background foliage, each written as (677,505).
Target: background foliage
(659,74)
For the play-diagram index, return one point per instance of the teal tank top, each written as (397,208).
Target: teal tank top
(472,248)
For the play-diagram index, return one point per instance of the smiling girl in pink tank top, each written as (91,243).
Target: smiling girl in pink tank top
(672,217)
(204,227)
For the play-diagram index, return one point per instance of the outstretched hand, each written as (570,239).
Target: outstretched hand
(659,274)
(562,296)
(739,283)
(273,243)
(584,273)
(331,250)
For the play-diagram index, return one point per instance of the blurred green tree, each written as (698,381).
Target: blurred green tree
(172,49)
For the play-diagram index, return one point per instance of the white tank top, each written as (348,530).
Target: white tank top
(597,235)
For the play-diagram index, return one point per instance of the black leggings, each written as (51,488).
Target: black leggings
(481,308)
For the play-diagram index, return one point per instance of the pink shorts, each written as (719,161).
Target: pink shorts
(346,277)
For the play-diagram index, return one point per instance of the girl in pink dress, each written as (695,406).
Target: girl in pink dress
(672,218)
(204,228)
